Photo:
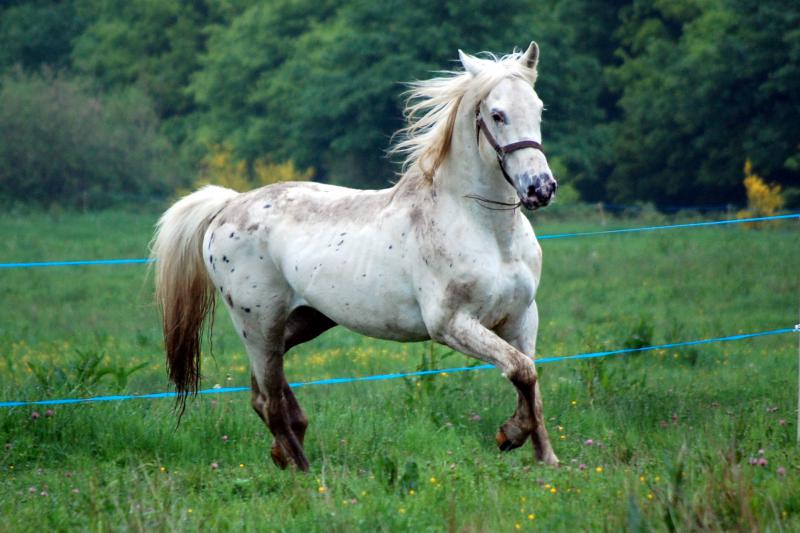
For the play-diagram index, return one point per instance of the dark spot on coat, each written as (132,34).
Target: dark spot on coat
(244,334)
(229,299)
(246,309)
(267,206)
(210,258)
(225,259)
(233,270)
(343,234)
(232,234)
(390,246)
(261,257)
(340,242)
(252,227)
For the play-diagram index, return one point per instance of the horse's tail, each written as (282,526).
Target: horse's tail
(184,292)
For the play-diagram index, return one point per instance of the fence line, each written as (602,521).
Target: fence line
(669,226)
(399,375)
(78,263)
(540,237)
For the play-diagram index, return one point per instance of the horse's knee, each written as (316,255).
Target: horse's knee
(522,373)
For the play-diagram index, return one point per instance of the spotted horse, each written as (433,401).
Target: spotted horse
(444,254)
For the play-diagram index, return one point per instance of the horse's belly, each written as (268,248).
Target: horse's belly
(376,310)
(367,292)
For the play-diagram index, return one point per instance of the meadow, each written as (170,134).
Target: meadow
(701,438)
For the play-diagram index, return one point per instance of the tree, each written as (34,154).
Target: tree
(148,43)
(322,86)
(706,84)
(37,33)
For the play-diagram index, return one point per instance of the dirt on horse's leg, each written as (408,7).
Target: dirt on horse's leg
(298,422)
(541,440)
(527,384)
(287,446)
(515,431)
(273,405)
(521,334)
(303,325)
(259,403)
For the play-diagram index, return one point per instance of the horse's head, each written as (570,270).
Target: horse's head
(508,122)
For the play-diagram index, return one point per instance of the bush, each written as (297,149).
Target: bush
(220,167)
(60,143)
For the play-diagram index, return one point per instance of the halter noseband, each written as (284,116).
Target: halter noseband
(501,151)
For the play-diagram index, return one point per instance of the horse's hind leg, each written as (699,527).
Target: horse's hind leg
(298,422)
(303,324)
(272,405)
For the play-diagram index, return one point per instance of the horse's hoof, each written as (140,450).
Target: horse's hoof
(551,460)
(509,438)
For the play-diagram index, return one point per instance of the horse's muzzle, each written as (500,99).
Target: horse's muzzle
(540,192)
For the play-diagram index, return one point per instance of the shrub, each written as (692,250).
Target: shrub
(762,200)
(220,167)
(61,143)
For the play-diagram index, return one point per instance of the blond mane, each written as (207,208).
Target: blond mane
(432,108)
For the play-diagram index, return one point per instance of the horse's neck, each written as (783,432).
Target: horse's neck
(463,173)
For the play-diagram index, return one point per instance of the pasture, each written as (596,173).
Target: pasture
(661,440)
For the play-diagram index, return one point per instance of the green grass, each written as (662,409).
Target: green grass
(676,428)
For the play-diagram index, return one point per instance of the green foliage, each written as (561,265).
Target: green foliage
(38,32)
(150,44)
(62,143)
(81,373)
(645,101)
(703,86)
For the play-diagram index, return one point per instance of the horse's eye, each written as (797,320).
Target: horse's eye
(498,117)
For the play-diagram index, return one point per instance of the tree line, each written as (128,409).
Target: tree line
(660,101)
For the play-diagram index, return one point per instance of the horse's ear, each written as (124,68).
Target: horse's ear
(531,56)
(471,64)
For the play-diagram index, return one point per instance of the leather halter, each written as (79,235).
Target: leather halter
(501,151)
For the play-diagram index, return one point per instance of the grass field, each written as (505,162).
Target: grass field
(662,440)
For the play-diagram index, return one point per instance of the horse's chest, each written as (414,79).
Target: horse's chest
(494,295)
(509,293)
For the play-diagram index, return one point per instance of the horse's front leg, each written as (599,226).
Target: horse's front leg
(465,334)
(521,334)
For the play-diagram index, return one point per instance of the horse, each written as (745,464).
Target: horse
(444,254)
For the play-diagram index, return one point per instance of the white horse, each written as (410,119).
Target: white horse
(444,254)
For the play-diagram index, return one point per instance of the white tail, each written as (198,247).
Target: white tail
(183,291)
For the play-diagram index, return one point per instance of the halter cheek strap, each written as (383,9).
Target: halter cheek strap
(501,151)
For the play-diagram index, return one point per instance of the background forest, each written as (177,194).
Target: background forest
(119,100)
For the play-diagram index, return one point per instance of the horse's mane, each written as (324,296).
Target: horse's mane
(432,107)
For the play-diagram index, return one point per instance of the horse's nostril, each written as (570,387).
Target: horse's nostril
(531,190)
